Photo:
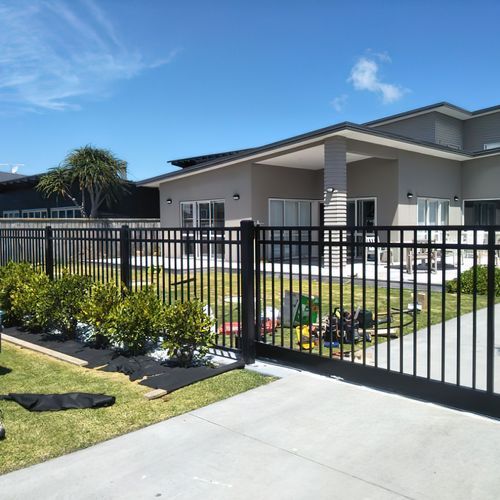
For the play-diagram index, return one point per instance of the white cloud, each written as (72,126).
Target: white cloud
(365,76)
(53,52)
(338,103)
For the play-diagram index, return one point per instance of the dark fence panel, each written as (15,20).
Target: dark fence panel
(402,305)
(391,298)
(178,264)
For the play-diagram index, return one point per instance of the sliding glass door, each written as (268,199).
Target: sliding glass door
(290,213)
(361,212)
(203,214)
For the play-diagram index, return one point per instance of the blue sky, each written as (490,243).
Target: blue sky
(154,80)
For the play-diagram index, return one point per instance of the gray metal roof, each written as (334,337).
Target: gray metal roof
(203,162)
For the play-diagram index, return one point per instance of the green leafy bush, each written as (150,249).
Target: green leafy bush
(66,296)
(100,302)
(31,302)
(189,331)
(467,284)
(20,281)
(136,321)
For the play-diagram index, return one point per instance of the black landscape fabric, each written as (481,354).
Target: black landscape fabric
(177,377)
(136,368)
(94,357)
(56,402)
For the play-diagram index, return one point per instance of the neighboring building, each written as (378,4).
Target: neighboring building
(20,199)
(436,165)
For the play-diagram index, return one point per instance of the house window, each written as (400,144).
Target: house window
(290,213)
(203,214)
(491,145)
(11,214)
(433,212)
(65,213)
(35,213)
(481,212)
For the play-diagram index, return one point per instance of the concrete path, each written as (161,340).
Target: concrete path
(465,354)
(302,437)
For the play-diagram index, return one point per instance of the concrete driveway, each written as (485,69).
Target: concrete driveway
(451,351)
(301,437)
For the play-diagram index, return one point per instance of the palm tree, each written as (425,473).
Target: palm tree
(97,173)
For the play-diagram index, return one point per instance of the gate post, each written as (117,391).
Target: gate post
(490,321)
(49,253)
(125,274)
(247,291)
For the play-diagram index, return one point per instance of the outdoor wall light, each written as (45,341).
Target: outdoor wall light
(236,196)
(409,195)
(169,201)
(332,190)
(456,198)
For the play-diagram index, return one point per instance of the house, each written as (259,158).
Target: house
(435,165)
(20,199)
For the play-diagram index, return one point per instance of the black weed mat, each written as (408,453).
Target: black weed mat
(136,367)
(94,357)
(177,377)
(159,376)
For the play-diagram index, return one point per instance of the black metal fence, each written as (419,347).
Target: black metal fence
(178,264)
(402,308)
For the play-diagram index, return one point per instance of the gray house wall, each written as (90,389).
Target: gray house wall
(432,127)
(428,177)
(376,178)
(422,127)
(219,184)
(269,181)
(449,131)
(481,130)
(481,178)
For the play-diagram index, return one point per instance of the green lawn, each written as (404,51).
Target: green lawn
(35,437)
(215,287)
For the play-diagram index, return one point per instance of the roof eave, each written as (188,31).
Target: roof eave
(315,136)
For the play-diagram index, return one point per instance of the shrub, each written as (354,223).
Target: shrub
(31,302)
(100,302)
(136,321)
(467,284)
(66,296)
(20,281)
(189,331)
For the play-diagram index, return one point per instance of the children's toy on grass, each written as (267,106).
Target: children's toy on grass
(299,309)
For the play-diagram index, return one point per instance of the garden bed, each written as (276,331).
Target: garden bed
(152,373)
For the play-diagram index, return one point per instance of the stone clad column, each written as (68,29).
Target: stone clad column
(335,196)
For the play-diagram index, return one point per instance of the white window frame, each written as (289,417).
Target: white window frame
(475,199)
(195,213)
(11,214)
(491,145)
(32,210)
(55,210)
(198,250)
(364,198)
(428,198)
(311,201)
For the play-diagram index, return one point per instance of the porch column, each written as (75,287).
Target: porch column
(335,196)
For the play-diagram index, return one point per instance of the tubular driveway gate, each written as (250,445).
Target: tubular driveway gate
(405,309)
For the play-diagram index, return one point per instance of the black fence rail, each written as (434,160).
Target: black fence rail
(178,264)
(410,301)
(403,308)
